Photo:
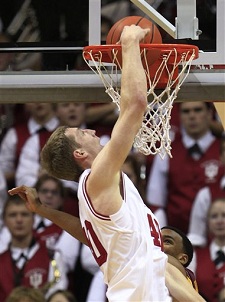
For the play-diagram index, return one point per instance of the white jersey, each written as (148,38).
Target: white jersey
(126,245)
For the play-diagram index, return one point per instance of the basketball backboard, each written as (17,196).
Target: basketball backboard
(206,80)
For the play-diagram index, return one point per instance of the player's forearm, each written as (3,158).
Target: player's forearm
(178,286)
(133,81)
(67,222)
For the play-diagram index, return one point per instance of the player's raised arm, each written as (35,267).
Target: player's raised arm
(133,97)
(133,105)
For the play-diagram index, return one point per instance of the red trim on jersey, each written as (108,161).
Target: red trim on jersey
(154,208)
(89,203)
(122,189)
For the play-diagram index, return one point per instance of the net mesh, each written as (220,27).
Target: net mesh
(164,78)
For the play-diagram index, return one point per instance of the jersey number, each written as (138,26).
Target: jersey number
(95,245)
(155,231)
(98,249)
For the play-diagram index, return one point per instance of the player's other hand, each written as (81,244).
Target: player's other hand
(29,195)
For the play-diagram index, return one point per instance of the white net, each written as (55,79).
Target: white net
(164,78)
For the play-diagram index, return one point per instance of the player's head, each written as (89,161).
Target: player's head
(69,151)
(57,156)
(176,244)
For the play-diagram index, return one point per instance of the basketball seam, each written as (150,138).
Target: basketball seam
(137,23)
(149,39)
(153,32)
(115,30)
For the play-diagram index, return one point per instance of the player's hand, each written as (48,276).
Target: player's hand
(133,32)
(29,195)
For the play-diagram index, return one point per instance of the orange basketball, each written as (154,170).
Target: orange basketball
(153,37)
(114,34)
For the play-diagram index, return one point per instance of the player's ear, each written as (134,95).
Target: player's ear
(79,154)
(183,258)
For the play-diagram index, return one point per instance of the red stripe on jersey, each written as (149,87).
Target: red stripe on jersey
(122,189)
(89,203)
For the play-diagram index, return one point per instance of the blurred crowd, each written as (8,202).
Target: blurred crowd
(65,23)
(40,261)
(186,191)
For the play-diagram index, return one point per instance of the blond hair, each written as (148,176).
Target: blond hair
(25,294)
(57,156)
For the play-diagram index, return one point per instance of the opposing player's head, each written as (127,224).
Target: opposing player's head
(69,151)
(176,244)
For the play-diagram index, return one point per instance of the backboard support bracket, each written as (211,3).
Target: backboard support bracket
(186,22)
(156,17)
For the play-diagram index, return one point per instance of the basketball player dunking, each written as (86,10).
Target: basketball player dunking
(120,230)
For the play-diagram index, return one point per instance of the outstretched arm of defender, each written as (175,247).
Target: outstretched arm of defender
(67,222)
(179,287)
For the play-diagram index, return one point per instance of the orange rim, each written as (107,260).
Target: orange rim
(94,52)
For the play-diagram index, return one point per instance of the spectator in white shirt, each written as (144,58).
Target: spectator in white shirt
(174,182)
(198,219)
(3,195)
(209,262)
(70,114)
(51,193)
(27,261)
(40,115)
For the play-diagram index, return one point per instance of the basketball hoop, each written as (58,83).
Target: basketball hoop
(165,75)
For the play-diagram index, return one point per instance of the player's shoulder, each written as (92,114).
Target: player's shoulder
(175,262)
(84,175)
